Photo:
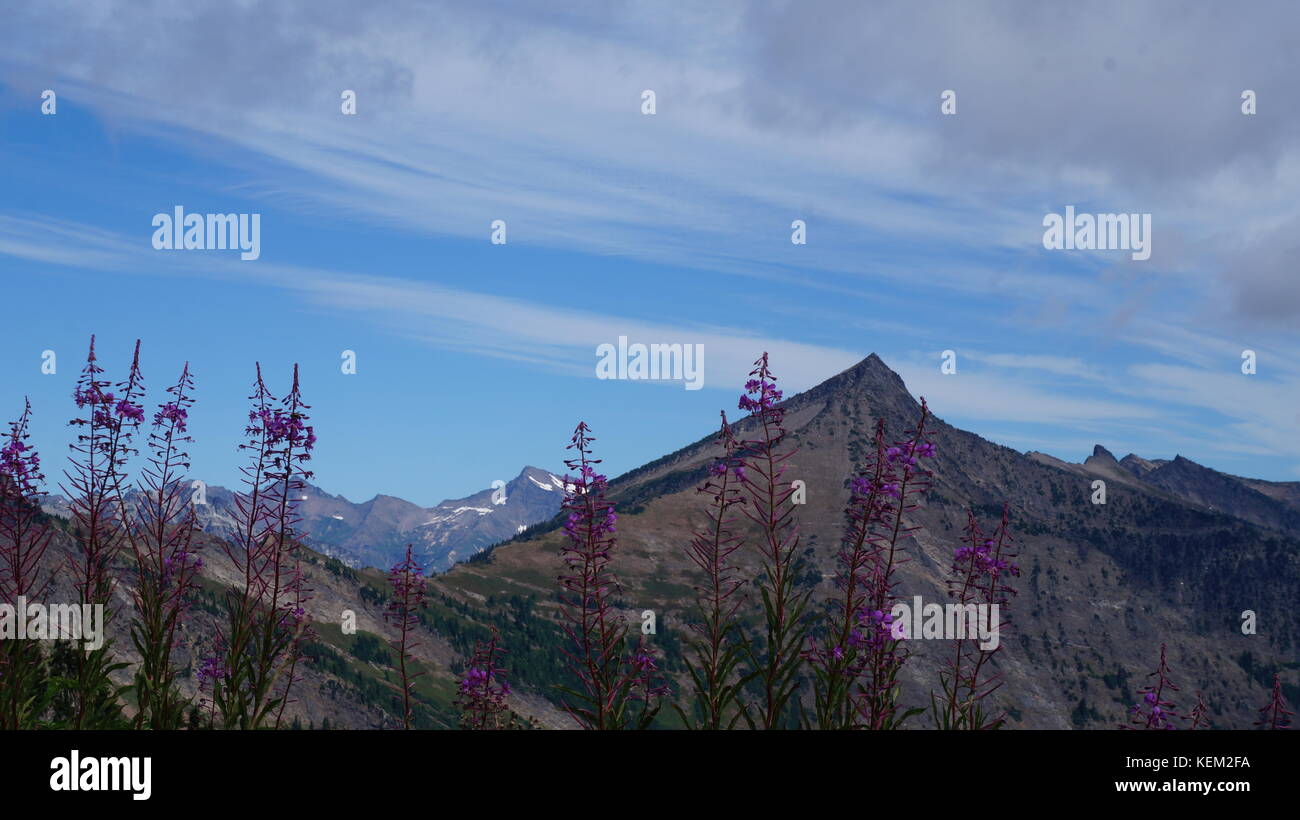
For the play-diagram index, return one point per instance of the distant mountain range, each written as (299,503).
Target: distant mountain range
(375,533)
(1176,554)
(1271,504)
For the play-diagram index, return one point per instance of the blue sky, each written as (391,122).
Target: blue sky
(924,230)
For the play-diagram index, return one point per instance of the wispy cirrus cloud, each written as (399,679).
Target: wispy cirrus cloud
(1257,415)
(924,231)
(1058,365)
(993,396)
(559,337)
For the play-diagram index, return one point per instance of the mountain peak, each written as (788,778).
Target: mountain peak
(1102,462)
(870,377)
(1101,452)
(872,365)
(530,470)
(1137,465)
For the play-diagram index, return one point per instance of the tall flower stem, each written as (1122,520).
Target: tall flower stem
(769,508)
(1155,710)
(161,537)
(95,480)
(882,652)
(839,664)
(979,583)
(717,647)
(597,634)
(1275,714)
(266,622)
(408,584)
(24,537)
(484,691)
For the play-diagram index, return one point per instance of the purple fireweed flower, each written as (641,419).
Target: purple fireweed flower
(643,662)
(980,569)
(95,474)
(19,463)
(94,482)
(211,669)
(131,412)
(597,634)
(483,691)
(644,669)
(857,685)
(171,413)
(874,630)
(1155,710)
(263,637)
(761,393)
(284,427)
(160,536)
(212,675)
(25,535)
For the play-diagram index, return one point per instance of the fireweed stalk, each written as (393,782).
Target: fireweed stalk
(598,634)
(768,506)
(484,692)
(409,587)
(24,536)
(210,673)
(1198,715)
(1275,714)
(645,673)
(718,646)
(296,621)
(838,665)
(95,478)
(879,655)
(979,571)
(161,536)
(284,624)
(1155,710)
(265,620)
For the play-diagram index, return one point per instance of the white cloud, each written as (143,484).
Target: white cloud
(557,336)
(1260,415)
(561,337)
(1059,365)
(995,397)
